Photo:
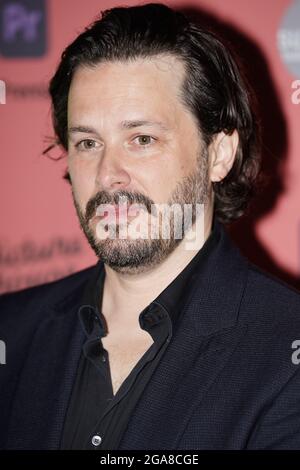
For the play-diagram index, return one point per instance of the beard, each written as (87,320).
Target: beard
(133,256)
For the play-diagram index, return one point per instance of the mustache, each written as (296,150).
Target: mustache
(104,197)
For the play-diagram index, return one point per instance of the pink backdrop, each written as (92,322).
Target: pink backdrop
(40,238)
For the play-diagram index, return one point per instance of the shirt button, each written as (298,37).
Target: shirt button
(96,440)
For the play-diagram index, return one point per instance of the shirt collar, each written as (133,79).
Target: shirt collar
(169,302)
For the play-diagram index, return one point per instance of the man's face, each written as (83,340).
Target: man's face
(112,155)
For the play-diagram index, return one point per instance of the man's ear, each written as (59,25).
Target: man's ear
(222,154)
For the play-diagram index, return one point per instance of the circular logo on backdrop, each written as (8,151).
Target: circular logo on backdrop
(288,38)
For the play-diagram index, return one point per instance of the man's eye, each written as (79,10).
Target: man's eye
(86,144)
(144,140)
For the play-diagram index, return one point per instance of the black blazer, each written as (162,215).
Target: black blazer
(227,379)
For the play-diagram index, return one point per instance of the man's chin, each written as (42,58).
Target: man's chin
(130,256)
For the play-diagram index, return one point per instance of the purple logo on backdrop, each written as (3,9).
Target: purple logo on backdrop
(22,28)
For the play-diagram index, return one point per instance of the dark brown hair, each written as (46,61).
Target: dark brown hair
(213,89)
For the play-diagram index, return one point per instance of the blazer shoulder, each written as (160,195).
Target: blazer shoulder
(271,282)
(29,299)
(272,298)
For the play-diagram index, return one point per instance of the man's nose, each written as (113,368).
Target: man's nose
(111,171)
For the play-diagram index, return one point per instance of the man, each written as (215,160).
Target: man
(168,342)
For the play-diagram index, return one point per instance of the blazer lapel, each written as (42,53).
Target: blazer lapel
(176,389)
(51,364)
(204,339)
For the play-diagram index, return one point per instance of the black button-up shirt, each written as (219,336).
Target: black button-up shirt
(96,418)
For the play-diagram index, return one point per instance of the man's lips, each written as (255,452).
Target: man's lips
(115,213)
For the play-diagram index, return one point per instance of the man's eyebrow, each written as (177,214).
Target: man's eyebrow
(123,125)
(83,129)
(139,123)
